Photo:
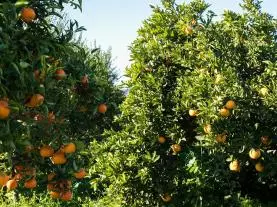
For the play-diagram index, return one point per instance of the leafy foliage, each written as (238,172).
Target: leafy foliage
(186,67)
(50,88)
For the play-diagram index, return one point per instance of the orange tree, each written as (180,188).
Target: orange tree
(55,92)
(199,122)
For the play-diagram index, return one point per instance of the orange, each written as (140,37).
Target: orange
(35,101)
(221,138)
(166,197)
(176,148)
(80,174)
(51,176)
(58,158)
(30,184)
(266,140)
(259,167)
(102,108)
(69,148)
(208,128)
(46,151)
(60,74)
(224,112)
(234,166)
(193,112)
(28,14)
(3,180)
(4,112)
(161,139)
(66,196)
(230,104)
(11,184)
(54,194)
(255,154)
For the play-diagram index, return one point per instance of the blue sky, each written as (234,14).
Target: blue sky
(114,23)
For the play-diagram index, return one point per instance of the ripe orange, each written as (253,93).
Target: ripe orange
(259,167)
(161,139)
(193,112)
(266,140)
(51,176)
(234,166)
(66,196)
(255,154)
(230,104)
(30,184)
(58,158)
(166,198)
(4,112)
(102,108)
(4,179)
(221,138)
(176,148)
(69,148)
(224,112)
(60,74)
(11,184)
(28,14)
(35,101)
(80,174)
(208,128)
(54,194)
(46,151)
